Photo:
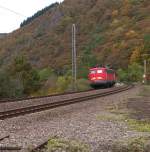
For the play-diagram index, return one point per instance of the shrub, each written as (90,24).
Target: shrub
(122,75)
(131,34)
(66,146)
(147,37)
(45,74)
(31,81)
(133,145)
(22,70)
(63,83)
(49,86)
(133,73)
(115,13)
(10,87)
(83,84)
(136,55)
(83,72)
(135,2)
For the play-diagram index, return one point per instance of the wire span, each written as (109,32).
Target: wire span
(10,10)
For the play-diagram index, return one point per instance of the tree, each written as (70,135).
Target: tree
(45,73)
(29,76)
(136,55)
(10,87)
(122,75)
(135,72)
(39,13)
(63,83)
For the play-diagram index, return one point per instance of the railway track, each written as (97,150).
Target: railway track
(10,148)
(40,146)
(3,137)
(7,100)
(55,104)
(4,148)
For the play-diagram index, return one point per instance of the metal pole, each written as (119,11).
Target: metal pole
(74,62)
(145,72)
(72,59)
(75,56)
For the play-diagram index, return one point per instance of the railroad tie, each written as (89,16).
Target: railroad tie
(4,137)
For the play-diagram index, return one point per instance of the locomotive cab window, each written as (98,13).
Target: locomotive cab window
(99,71)
(92,72)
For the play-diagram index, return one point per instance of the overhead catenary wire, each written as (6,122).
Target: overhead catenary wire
(12,11)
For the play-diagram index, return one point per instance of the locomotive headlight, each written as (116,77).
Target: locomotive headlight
(99,78)
(93,78)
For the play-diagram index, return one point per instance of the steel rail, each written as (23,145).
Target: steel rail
(4,137)
(6,100)
(10,148)
(40,146)
(42,107)
(43,144)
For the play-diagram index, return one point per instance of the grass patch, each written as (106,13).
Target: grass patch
(141,126)
(132,145)
(145,91)
(120,112)
(60,145)
(133,124)
(111,117)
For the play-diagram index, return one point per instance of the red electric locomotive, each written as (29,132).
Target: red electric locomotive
(102,76)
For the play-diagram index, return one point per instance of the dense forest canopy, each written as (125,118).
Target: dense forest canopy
(39,13)
(106,30)
(109,32)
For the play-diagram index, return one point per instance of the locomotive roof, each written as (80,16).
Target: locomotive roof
(103,68)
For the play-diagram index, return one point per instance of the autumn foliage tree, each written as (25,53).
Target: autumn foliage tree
(136,55)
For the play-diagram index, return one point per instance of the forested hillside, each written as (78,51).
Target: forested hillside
(39,13)
(109,32)
(2,35)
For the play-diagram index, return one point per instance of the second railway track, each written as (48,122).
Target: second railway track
(41,107)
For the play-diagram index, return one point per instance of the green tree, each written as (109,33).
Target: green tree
(135,72)
(39,13)
(10,87)
(83,84)
(122,75)
(45,74)
(63,83)
(29,76)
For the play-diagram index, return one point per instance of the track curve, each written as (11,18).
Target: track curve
(41,107)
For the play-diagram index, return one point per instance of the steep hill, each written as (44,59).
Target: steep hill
(114,32)
(2,35)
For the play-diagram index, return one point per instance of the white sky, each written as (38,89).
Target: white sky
(10,20)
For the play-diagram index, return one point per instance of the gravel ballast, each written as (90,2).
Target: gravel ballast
(74,122)
(49,99)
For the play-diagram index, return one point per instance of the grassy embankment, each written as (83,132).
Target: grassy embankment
(131,116)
